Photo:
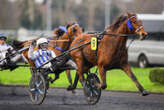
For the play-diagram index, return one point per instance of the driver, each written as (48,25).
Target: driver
(5,51)
(42,55)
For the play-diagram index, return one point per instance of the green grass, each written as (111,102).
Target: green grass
(116,79)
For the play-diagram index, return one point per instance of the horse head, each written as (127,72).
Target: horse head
(74,31)
(18,44)
(71,30)
(135,26)
(59,32)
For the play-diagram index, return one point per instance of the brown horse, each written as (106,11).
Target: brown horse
(112,51)
(63,43)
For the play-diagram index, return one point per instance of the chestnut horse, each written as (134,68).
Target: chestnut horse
(62,43)
(112,51)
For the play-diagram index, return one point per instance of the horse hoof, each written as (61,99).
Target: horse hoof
(103,87)
(145,93)
(73,92)
(70,88)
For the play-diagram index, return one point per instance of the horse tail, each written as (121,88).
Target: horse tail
(17,44)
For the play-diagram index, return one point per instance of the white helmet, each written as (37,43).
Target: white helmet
(41,41)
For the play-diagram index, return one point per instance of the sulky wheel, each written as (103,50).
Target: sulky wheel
(37,88)
(91,91)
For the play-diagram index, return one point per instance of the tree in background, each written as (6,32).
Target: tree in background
(30,17)
(9,15)
(88,13)
(141,6)
(148,6)
(115,11)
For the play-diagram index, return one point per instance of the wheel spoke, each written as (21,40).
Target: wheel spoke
(32,90)
(41,92)
(95,92)
(39,83)
(91,94)
(36,84)
(89,88)
(36,96)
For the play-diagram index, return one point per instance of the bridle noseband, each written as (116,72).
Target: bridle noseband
(130,26)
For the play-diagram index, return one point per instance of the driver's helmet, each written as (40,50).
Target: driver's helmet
(3,36)
(41,41)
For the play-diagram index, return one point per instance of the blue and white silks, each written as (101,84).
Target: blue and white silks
(40,56)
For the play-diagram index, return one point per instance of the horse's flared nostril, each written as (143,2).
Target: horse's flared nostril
(144,35)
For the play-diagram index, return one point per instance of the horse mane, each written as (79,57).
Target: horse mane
(118,21)
(17,44)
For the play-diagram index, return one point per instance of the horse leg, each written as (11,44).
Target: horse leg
(79,63)
(77,78)
(75,81)
(56,77)
(128,71)
(69,79)
(102,73)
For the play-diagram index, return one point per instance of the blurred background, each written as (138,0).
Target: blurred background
(18,16)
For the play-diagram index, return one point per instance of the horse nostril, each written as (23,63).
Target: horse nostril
(144,35)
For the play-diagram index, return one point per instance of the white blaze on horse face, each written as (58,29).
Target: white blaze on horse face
(72,63)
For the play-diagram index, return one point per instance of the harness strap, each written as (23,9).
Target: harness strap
(60,49)
(113,34)
(138,28)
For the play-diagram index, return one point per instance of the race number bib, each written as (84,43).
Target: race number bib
(93,43)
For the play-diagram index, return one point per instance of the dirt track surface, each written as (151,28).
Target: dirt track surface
(16,98)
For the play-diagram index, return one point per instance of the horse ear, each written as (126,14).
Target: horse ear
(128,14)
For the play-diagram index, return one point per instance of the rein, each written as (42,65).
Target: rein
(112,34)
(130,44)
(69,43)
(101,34)
(65,52)
(60,49)
(74,48)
